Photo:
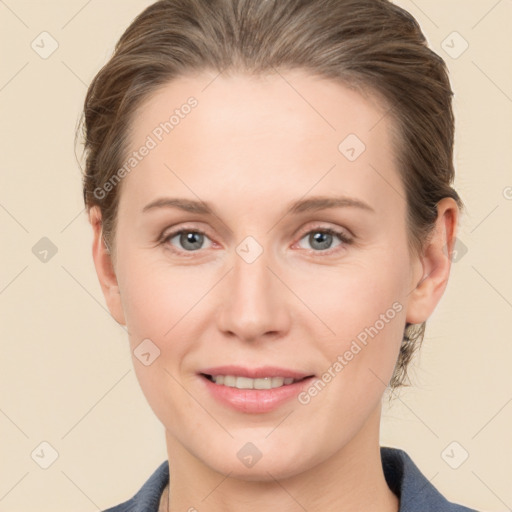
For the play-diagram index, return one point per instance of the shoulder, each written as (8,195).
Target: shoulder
(404,478)
(415,491)
(147,498)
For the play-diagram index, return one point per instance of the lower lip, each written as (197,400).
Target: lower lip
(255,400)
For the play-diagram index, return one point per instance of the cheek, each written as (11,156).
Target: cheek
(351,298)
(161,304)
(362,309)
(158,296)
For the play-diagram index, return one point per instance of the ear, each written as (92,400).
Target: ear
(105,268)
(435,264)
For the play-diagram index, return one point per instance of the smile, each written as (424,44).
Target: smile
(241,382)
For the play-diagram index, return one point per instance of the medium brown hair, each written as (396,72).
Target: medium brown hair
(371,45)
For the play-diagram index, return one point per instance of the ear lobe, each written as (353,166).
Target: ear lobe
(429,284)
(105,268)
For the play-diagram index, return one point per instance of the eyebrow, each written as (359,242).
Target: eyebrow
(311,204)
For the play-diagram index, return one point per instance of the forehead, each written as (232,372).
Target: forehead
(305,104)
(258,134)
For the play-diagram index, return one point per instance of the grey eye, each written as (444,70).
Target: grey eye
(322,239)
(188,240)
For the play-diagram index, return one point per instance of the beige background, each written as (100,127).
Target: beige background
(66,376)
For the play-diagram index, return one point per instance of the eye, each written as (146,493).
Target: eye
(321,239)
(190,240)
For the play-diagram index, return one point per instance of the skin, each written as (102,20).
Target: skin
(250,147)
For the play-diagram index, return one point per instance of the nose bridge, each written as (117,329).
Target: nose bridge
(254,302)
(251,276)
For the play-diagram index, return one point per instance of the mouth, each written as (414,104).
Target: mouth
(243,382)
(253,390)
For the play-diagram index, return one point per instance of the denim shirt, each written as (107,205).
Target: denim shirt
(403,477)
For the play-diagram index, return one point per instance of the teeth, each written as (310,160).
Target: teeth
(247,383)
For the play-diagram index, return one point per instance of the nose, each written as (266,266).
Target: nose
(255,303)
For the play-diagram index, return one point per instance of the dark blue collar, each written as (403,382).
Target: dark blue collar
(403,477)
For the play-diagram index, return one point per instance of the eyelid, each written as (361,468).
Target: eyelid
(173,230)
(324,226)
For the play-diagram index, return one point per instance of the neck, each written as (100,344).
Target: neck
(351,479)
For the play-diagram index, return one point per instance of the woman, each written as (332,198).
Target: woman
(269,187)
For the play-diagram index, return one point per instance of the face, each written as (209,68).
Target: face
(298,268)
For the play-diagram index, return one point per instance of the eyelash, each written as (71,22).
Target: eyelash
(166,237)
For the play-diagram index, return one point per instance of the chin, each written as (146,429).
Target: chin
(260,472)
(252,464)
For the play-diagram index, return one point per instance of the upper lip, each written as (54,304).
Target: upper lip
(255,373)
